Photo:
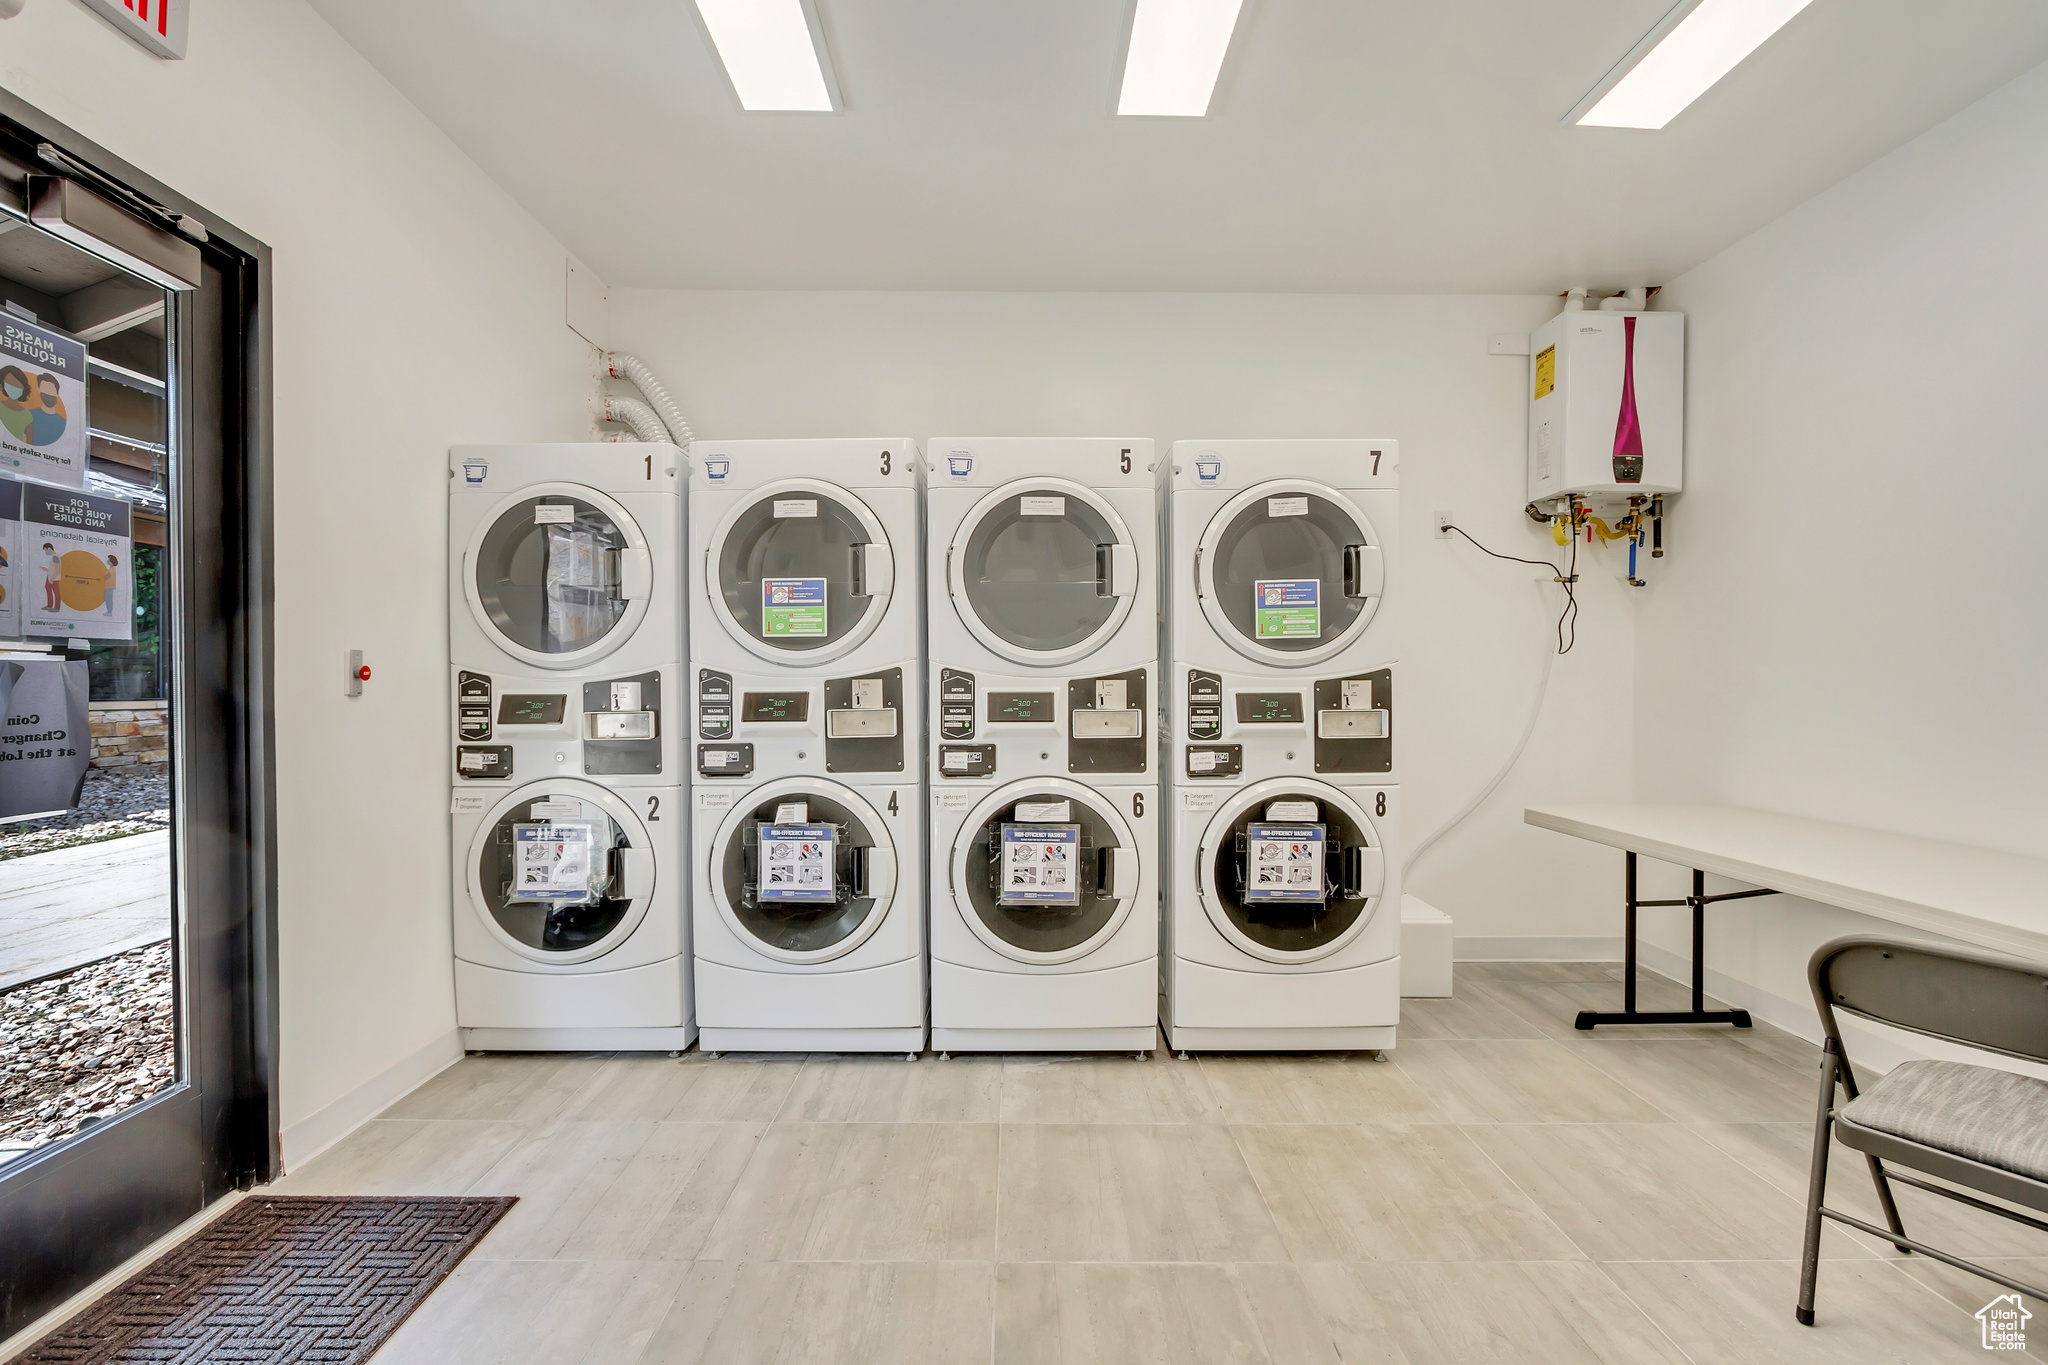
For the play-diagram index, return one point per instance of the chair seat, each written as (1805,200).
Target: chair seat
(1990,1116)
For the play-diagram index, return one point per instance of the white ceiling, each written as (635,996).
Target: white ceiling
(1354,145)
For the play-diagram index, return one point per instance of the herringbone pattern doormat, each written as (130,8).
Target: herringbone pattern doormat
(308,1280)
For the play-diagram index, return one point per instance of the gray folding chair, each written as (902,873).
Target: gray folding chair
(1974,1126)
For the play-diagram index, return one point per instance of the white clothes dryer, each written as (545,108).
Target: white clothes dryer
(808,905)
(565,559)
(1042,554)
(567,927)
(1283,931)
(808,556)
(1283,554)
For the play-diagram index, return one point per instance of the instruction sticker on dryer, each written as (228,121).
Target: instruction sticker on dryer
(792,608)
(1038,865)
(1287,609)
(1284,863)
(551,862)
(796,863)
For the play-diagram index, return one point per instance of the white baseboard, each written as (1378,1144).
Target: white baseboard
(324,1127)
(1470,949)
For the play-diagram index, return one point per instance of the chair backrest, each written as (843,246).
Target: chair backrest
(1981,1000)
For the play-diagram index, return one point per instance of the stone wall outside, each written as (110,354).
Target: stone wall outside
(125,733)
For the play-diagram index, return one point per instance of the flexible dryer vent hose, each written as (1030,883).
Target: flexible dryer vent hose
(633,413)
(637,372)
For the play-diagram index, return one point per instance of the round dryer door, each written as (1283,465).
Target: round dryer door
(805,870)
(1042,571)
(801,574)
(558,575)
(1289,572)
(561,872)
(1045,871)
(1291,870)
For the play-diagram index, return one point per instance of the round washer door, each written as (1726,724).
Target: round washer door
(1276,930)
(558,575)
(1042,571)
(561,898)
(800,574)
(1041,919)
(1289,572)
(758,877)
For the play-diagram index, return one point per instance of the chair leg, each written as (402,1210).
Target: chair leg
(1884,1199)
(1817,1185)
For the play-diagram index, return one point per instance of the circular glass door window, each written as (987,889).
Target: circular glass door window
(1037,570)
(552,876)
(1247,877)
(1282,572)
(1036,873)
(792,570)
(546,574)
(803,890)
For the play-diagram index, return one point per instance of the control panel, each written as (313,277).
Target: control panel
(1355,723)
(714,704)
(622,726)
(472,707)
(1205,705)
(864,723)
(1106,723)
(956,704)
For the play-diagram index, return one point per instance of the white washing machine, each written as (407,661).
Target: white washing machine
(1282,648)
(565,559)
(1041,574)
(807,710)
(568,925)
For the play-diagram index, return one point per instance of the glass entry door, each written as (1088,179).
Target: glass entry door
(137,867)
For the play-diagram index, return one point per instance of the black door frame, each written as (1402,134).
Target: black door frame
(76,1210)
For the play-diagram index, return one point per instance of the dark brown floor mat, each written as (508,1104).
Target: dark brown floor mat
(297,1279)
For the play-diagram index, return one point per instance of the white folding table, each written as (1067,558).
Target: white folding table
(1991,899)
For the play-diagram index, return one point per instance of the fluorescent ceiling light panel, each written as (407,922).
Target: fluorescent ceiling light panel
(1176,53)
(1697,44)
(768,53)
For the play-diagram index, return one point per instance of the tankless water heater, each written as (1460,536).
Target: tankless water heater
(1607,406)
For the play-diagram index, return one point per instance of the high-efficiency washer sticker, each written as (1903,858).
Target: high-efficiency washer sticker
(796,863)
(792,607)
(551,862)
(1288,608)
(1284,863)
(1038,865)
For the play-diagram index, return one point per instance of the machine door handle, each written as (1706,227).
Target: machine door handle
(874,568)
(636,574)
(1122,870)
(875,878)
(1365,571)
(635,872)
(1116,568)
(1365,871)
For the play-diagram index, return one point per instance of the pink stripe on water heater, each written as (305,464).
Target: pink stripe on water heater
(1628,428)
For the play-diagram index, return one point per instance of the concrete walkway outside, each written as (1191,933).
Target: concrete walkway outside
(71,906)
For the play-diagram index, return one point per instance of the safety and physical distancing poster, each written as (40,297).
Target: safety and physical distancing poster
(75,565)
(42,402)
(796,863)
(1284,862)
(792,607)
(1038,865)
(551,862)
(1288,608)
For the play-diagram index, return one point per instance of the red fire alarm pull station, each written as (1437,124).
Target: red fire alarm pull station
(358,673)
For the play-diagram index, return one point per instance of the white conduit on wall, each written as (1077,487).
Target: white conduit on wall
(638,373)
(632,413)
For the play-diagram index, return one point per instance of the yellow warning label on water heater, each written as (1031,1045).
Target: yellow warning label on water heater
(1546,371)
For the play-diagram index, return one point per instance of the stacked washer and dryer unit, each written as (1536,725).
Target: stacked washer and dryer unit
(1043,668)
(806,713)
(566,650)
(1283,803)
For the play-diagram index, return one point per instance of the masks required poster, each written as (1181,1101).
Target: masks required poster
(42,402)
(75,566)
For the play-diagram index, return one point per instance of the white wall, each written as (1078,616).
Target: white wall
(1852,626)
(415,306)
(1243,365)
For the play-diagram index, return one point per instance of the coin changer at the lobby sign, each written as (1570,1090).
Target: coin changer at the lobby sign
(42,402)
(74,566)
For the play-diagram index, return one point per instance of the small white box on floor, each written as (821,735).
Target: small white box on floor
(1425,949)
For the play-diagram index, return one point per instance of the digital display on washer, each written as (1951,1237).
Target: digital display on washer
(531,709)
(1269,708)
(1021,708)
(775,706)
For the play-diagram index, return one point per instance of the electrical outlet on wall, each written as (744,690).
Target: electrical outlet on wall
(1443,525)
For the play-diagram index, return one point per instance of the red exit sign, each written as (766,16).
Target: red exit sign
(158,25)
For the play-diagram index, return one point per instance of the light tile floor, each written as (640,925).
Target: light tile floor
(1506,1190)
